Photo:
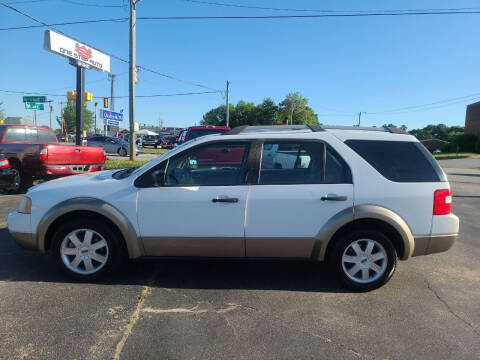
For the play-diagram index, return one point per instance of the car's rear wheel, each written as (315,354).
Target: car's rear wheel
(364,260)
(122,152)
(86,249)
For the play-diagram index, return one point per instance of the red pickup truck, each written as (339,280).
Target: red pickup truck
(34,152)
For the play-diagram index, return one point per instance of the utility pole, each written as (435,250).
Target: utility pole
(95,126)
(360,117)
(227,118)
(79,113)
(111,77)
(132,77)
(51,109)
(64,128)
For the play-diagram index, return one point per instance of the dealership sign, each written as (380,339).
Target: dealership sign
(81,54)
(112,115)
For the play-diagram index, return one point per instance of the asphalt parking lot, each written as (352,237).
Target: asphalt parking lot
(239,310)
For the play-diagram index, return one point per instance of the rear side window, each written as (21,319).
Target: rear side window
(292,163)
(14,134)
(399,161)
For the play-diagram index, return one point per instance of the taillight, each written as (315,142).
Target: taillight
(44,154)
(4,163)
(442,202)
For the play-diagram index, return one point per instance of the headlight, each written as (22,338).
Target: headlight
(25,205)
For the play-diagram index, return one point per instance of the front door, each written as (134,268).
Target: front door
(301,186)
(199,210)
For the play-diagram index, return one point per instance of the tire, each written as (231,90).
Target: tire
(368,266)
(122,152)
(87,262)
(21,182)
(155,146)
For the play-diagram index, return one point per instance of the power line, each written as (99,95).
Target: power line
(350,15)
(92,5)
(111,55)
(318,10)
(414,107)
(26,2)
(14,92)
(253,17)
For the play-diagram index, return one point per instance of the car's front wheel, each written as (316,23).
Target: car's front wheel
(86,249)
(364,260)
(122,152)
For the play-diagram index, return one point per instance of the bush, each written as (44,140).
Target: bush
(477,146)
(463,143)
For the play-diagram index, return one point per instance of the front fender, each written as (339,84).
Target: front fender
(95,206)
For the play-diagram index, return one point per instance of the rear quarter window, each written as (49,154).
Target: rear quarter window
(399,161)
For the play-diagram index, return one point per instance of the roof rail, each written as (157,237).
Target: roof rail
(314,128)
(266,128)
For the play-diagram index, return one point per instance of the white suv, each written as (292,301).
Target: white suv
(358,197)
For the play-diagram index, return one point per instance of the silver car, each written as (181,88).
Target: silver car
(110,144)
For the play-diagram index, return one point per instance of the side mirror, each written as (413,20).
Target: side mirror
(158,178)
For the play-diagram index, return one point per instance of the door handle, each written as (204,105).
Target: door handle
(225,200)
(333,197)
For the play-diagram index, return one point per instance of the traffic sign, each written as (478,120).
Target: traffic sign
(34,99)
(33,106)
(112,115)
(113,122)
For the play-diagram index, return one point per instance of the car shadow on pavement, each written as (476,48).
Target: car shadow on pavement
(17,265)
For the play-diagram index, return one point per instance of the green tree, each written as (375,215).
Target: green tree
(69,114)
(2,112)
(294,109)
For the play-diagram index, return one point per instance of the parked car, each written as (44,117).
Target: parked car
(152,140)
(110,144)
(196,131)
(360,198)
(8,176)
(138,140)
(34,152)
(169,141)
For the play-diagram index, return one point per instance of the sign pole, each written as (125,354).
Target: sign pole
(132,76)
(79,114)
(35,116)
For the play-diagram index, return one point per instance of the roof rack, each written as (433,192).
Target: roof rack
(244,129)
(275,128)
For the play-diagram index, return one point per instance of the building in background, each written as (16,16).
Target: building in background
(472,119)
(17,120)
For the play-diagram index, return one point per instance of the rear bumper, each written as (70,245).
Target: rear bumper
(426,245)
(444,234)
(72,169)
(6,178)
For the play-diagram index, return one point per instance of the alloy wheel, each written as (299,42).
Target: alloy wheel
(84,251)
(364,261)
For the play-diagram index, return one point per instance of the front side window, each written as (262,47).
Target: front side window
(214,164)
(292,163)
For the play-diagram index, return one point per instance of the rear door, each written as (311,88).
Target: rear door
(301,185)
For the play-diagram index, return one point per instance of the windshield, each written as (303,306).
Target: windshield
(150,137)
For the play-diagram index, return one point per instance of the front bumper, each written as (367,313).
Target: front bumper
(73,169)
(20,229)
